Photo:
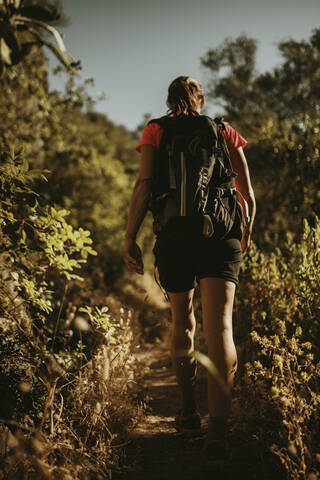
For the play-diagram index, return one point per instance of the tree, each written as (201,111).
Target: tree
(279,114)
(249,97)
(231,74)
(92,161)
(24,24)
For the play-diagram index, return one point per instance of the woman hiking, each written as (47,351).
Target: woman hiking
(214,264)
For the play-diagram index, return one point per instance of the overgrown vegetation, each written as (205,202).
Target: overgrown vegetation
(275,420)
(92,162)
(277,331)
(68,375)
(279,113)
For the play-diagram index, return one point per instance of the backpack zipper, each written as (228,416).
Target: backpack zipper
(183,186)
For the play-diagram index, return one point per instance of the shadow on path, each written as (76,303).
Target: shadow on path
(158,451)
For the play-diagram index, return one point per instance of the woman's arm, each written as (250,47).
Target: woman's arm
(243,184)
(138,209)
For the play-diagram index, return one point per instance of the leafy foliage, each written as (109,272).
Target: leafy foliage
(24,24)
(278,112)
(68,413)
(278,392)
(34,238)
(68,376)
(59,370)
(93,163)
(284,160)
(249,97)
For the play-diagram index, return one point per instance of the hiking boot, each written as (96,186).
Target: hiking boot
(215,452)
(190,423)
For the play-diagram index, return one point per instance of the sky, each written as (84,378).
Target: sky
(134,48)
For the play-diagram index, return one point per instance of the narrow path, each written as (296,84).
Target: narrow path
(159,451)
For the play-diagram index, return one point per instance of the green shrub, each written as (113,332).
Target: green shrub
(34,238)
(92,161)
(67,378)
(277,330)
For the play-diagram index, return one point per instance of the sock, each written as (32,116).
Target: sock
(217,427)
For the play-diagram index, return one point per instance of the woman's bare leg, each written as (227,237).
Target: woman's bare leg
(183,329)
(217,296)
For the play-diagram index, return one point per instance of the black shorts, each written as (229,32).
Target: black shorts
(180,267)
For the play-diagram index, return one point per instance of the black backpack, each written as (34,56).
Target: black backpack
(193,194)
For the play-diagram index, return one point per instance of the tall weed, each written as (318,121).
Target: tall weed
(277,398)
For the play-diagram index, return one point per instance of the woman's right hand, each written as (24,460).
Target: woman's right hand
(132,256)
(243,185)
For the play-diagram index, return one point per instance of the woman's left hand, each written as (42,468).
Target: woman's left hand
(132,256)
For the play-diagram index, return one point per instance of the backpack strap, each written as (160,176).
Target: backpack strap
(163,122)
(220,122)
(205,177)
(246,208)
(222,125)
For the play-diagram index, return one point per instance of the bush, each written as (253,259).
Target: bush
(92,162)
(277,329)
(67,378)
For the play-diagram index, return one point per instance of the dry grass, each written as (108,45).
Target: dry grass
(68,414)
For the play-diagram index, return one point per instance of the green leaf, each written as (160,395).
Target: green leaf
(15,275)
(91,251)
(76,277)
(25,165)
(5,52)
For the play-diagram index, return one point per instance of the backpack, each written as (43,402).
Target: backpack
(193,193)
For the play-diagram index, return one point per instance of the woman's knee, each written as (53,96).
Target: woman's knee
(182,309)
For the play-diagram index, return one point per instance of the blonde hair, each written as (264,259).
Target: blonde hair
(184,96)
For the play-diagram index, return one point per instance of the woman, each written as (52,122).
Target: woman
(215,267)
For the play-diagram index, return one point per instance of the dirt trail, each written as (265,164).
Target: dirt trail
(159,451)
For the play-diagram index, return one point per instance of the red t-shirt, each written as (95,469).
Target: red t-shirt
(152,135)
